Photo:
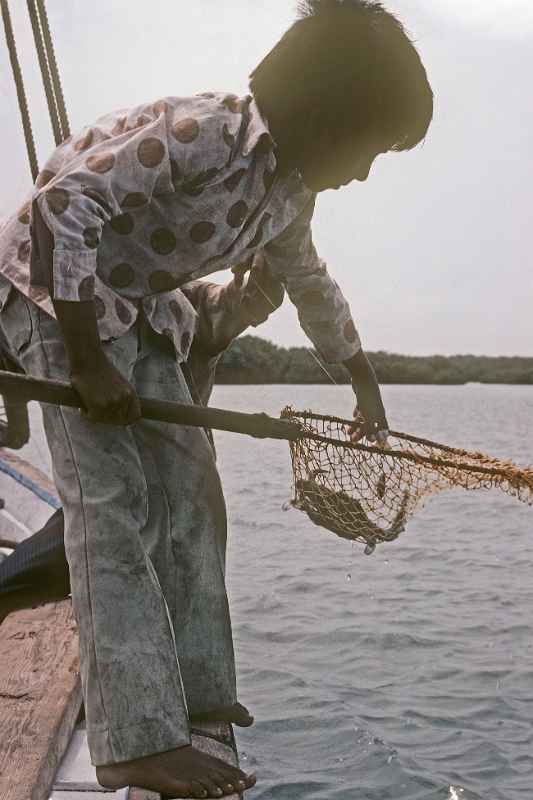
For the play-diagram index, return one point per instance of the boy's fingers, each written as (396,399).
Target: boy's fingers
(381,437)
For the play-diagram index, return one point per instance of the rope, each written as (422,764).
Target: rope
(44,65)
(21,94)
(54,71)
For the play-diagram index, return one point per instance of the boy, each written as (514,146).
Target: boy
(138,204)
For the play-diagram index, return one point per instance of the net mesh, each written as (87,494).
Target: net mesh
(366,493)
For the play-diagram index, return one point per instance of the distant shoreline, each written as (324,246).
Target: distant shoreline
(252,360)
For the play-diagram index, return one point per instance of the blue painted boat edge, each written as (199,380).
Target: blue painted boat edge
(37,490)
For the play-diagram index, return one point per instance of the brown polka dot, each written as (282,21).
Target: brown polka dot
(313,297)
(119,126)
(185,342)
(24,250)
(192,188)
(175,173)
(123,312)
(142,120)
(228,137)
(121,276)
(150,152)
(195,186)
(259,232)
(97,198)
(237,214)
(85,141)
(90,237)
(350,334)
(233,104)
(234,179)
(202,232)
(161,281)
(57,200)
(86,288)
(268,179)
(163,241)
(186,130)
(99,307)
(175,310)
(23,215)
(160,107)
(100,163)
(44,177)
(264,145)
(134,200)
(122,224)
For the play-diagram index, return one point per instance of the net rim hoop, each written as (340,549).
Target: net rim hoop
(497,472)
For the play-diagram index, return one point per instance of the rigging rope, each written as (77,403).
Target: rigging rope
(49,71)
(21,94)
(50,76)
(54,71)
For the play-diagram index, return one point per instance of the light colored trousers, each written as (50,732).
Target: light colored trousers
(145,536)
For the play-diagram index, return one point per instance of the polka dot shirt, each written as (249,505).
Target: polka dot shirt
(149,198)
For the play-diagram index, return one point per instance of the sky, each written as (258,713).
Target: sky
(435,251)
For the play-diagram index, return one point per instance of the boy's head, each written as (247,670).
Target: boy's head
(343,84)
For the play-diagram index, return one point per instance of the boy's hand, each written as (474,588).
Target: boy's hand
(106,395)
(370,418)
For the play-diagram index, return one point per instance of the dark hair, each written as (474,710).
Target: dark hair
(349,66)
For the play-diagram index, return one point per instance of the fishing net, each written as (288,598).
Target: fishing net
(366,493)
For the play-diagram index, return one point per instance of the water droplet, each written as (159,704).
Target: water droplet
(369,549)
(287,506)
(348,576)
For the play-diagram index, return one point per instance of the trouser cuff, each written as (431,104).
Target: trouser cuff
(112,745)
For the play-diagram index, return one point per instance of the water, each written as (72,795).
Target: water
(407,674)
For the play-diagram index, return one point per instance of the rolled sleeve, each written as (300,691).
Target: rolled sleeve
(323,310)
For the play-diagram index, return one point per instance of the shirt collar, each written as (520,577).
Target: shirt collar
(257,129)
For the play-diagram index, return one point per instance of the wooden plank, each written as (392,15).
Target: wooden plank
(40,697)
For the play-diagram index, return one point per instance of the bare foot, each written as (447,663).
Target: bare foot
(237,713)
(184,772)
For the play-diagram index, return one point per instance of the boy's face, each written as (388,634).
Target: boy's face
(329,163)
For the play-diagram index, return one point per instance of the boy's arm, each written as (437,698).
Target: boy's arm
(224,312)
(107,396)
(325,315)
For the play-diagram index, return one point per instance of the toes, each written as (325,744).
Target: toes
(225,783)
(212,787)
(178,789)
(198,790)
